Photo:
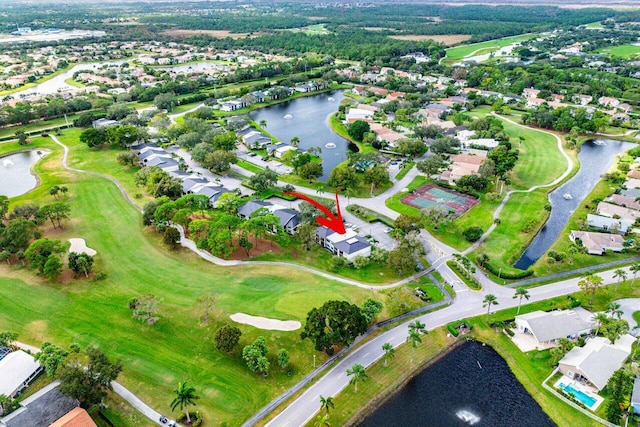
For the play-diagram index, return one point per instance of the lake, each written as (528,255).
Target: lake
(15,173)
(471,385)
(595,157)
(308,119)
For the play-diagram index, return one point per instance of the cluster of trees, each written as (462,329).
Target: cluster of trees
(121,136)
(338,323)
(158,183)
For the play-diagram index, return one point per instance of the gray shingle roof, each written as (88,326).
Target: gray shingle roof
(554,324)
(41,409)
(251,206)
(288,217)
(352,245)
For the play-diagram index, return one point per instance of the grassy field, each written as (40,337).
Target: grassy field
(459,52)
(178,347)
(623,50)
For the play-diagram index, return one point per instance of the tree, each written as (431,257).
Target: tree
(295,141)
(411,147)
(612,329)
(343,177)
(389,352)
(200,151)
(635,268)
(621,275)
(370,309)
(473,234)
(488,301)
(521,292)
(226,141)
(310,171)
(407,223)
(171,237)
(431,165)
(322,421)
(227,338)
(38,252)
(4,206)
(50,357)
(414,339)
(7,338)
(357,374)
(336,323)
(614,310)
(263,180)
(357,129)
(326,403)
(145,308)
(306,234)
(283,358)
(589,284)
(87,376)
(472,182)
(256,356)
(94,137)
(7,405)
(55,212)
(165,101)
(5,255)
(80,262)
(52,267)
(619,387)
(185,397)
(600,318)
(376,176)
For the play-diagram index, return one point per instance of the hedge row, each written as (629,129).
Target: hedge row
(506,274)
(464,275)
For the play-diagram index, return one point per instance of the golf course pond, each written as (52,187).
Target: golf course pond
(470,386)
(15,173)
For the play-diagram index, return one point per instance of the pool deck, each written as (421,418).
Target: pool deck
(589,391)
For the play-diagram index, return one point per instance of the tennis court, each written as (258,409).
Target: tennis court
(429,196)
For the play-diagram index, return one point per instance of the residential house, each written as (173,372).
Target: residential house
(548,327)
(40,409)
(305,87)
(607,101)
(289,219)
(461,165)
(212,191)
(530,93)
(582,99)
(535,102)
(618,226)
(632,183)
(348,245)
(598,243)
(624,201)
(634,193)
(232,105)
(247,209)
(634,173)
(17,370)
(596,362)
(77,417)
(615,211)
(282,149)
(624,107)
(102,123)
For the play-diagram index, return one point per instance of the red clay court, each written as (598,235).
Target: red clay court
(431,195)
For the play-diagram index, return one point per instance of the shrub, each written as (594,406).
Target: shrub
(508,274)
(473,234)
(101,276)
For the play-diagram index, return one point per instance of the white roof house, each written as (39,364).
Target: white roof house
(553,325)
(597,360)
(620,226)
(598,243)
(17,370)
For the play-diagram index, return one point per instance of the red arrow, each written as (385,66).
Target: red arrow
(331,221)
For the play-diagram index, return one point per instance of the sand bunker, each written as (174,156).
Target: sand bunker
(265,323)
(79,246)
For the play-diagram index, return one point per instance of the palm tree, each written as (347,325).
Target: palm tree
(634,269)
(488,301)
(348,193)
(600,318)
(521,292)
(614,310)
(185,396)
(389,352)
(589,284)
(263,123)
(320,189)
(357,373)
(295,141)
(417,326)
(326,403)
(322,421)
(621,275)
(414,339)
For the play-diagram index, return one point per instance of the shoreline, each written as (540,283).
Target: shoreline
(394,388)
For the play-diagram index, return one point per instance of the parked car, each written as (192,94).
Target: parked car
(163,419)
(265,159)
(251,154)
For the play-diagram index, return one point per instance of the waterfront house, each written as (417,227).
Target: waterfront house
(618,226)
(598,243)
(596,362)
(548,327)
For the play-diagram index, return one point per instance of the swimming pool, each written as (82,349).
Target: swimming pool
(578,394)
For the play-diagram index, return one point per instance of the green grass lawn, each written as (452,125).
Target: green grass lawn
(458,52)
(623,50)
(178,347)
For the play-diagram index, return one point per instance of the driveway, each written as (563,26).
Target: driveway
(630,306)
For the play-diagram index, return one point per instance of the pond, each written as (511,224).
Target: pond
(472,385)
(595,157)
(308,119)
(15,173)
